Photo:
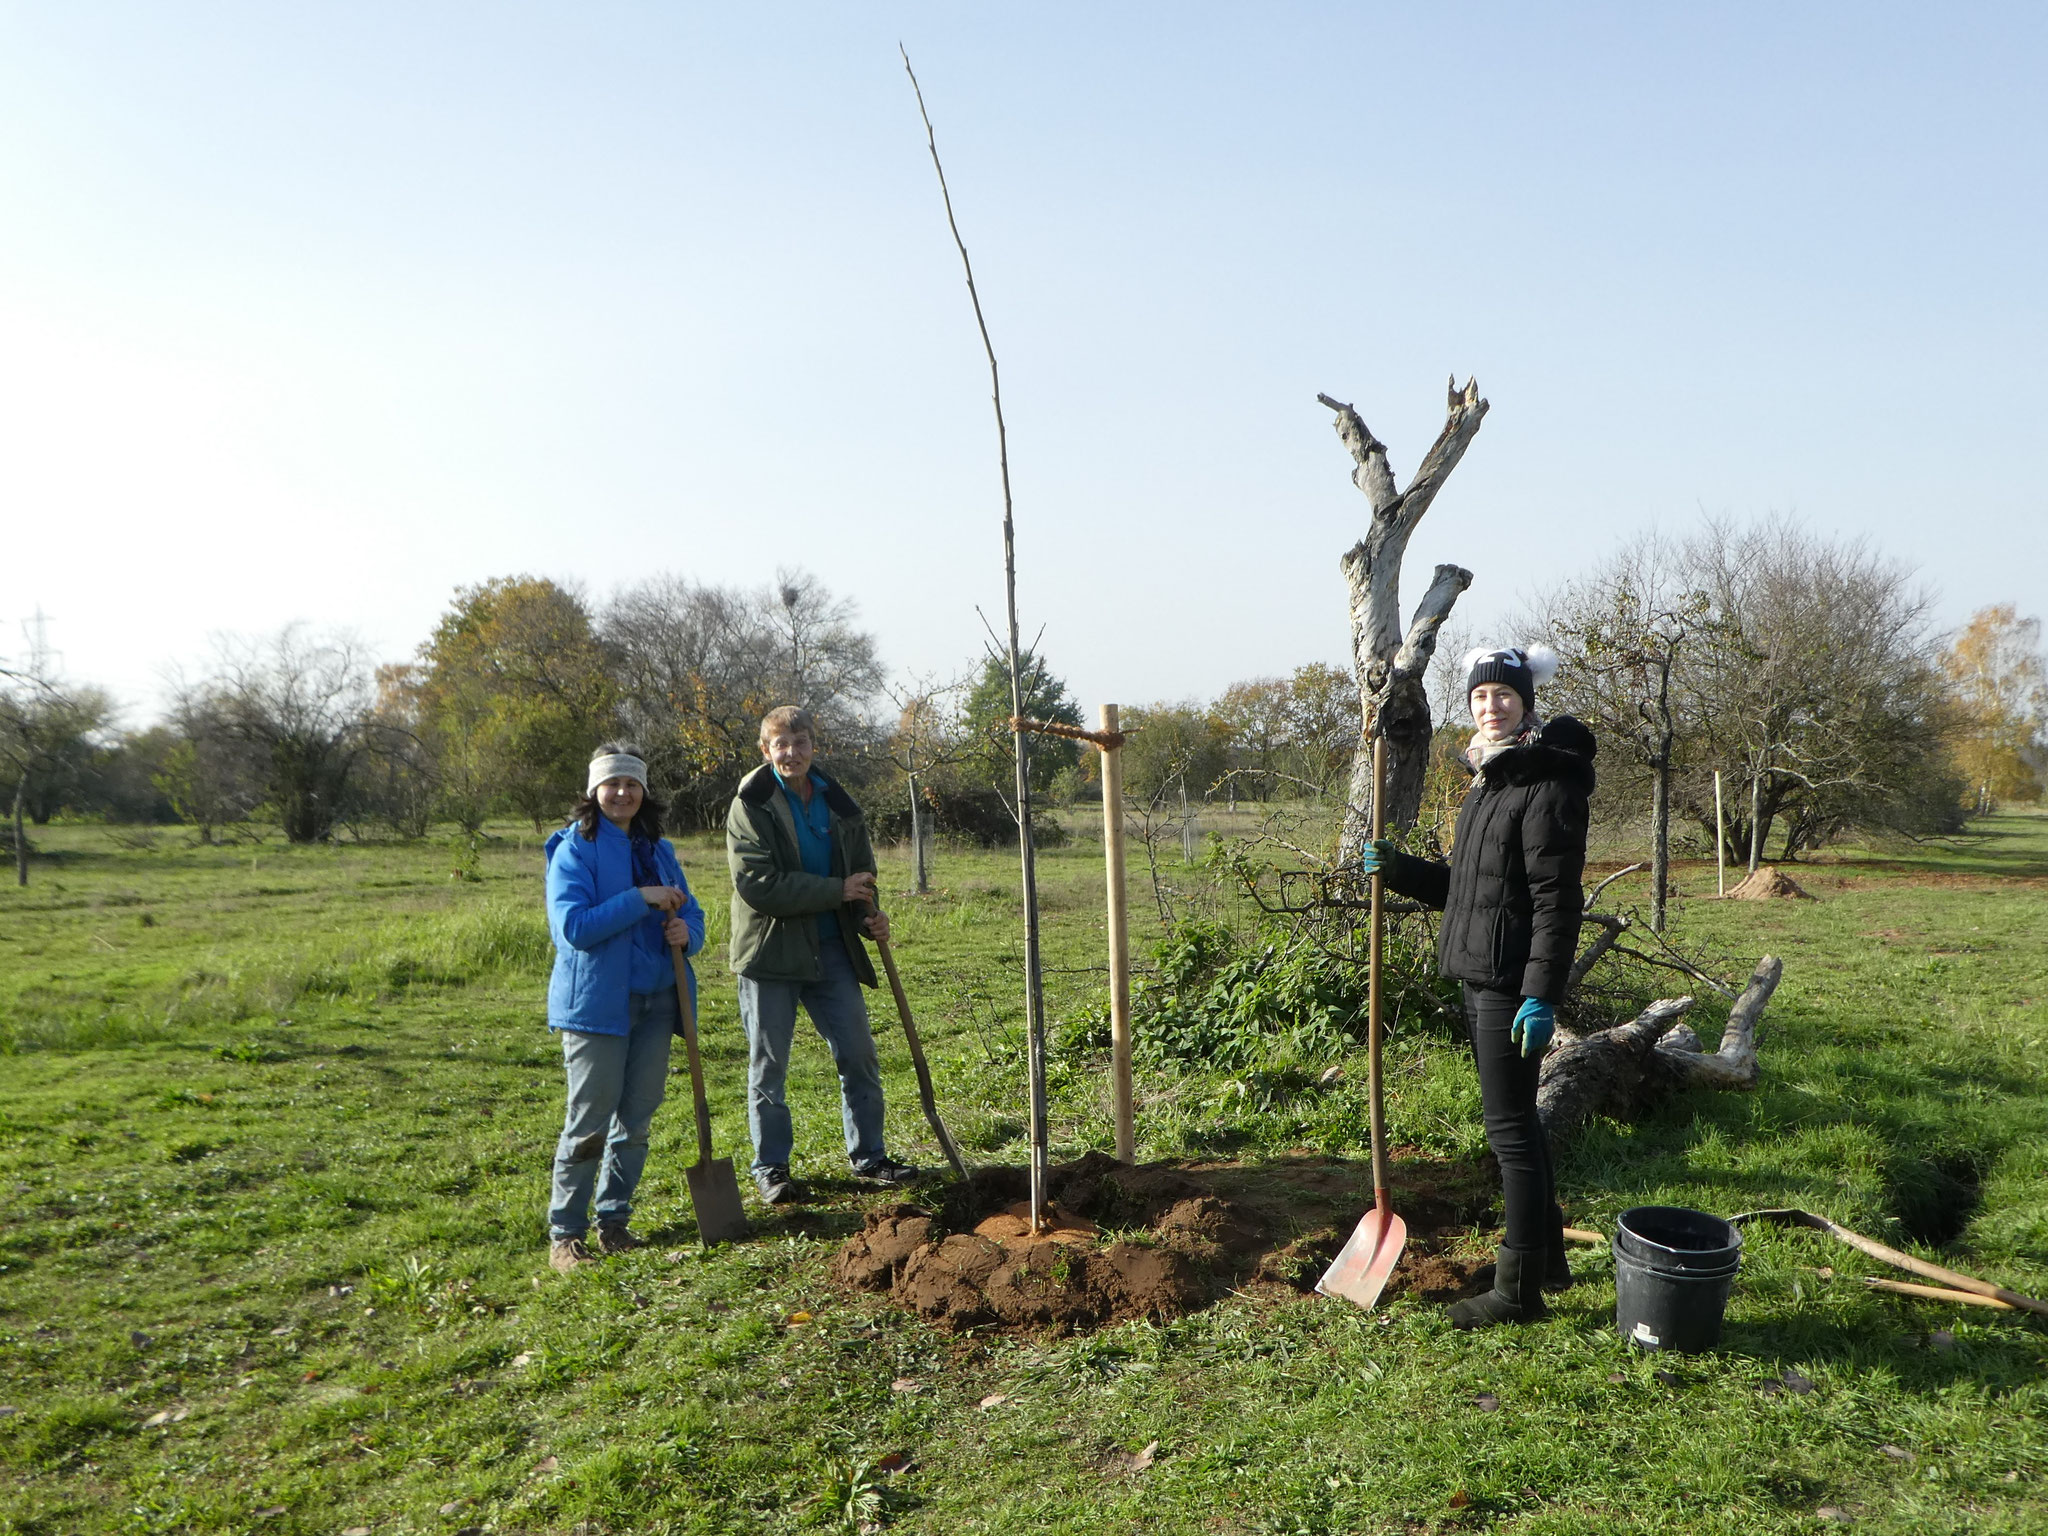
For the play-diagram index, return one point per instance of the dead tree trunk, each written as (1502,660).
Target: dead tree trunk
(1389,664)
(1623,1071)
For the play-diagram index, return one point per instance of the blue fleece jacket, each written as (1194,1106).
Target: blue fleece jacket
(595,913)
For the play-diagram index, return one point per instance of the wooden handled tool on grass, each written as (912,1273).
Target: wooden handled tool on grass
(924,1073)
(1359,1272)
(1954,1279)
(714,1191)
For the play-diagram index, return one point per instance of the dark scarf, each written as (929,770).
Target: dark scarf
(645,872)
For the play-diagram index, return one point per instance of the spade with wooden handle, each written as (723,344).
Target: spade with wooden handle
(714,1191)
(1983,1290)
(924,1073)
(1359,1272)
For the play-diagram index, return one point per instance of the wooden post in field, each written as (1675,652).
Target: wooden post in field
(1720,841)
(1119,940)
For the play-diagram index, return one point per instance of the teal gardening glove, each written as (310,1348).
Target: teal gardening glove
(1535,1022)
(1376,858)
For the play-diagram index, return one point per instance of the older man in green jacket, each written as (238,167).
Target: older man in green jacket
(803,879)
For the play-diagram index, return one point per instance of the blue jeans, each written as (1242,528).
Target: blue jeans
(840,1012)
(616,1083)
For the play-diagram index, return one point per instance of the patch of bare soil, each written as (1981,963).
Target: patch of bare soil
(1157,1240)
(1769,883)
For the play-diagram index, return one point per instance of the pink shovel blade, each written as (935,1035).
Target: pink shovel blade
(1359,1272)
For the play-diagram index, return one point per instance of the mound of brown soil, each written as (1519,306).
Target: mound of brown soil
(1767,884)
(1156,1240)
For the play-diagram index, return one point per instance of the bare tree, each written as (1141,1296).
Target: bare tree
(1449,702)
(928,738)
(696,667)
(696,670)
(830,664)
(45,725)
(211,776)
(300,706)
(1390,664)
(1619,632)
(1813,676)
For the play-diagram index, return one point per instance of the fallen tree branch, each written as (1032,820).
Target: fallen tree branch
(1612,929)
(1734,1065)
(1683,967)
(1627,869)
(1622,1072)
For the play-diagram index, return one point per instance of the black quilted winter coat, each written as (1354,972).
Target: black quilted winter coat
(1510,896)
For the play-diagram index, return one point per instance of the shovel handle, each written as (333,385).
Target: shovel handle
(910,1038)
(1953,1279)
(1382,1198)
(689,1008)
(1936,1293)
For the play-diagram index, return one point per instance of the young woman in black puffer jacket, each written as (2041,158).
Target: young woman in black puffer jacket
(1511,901)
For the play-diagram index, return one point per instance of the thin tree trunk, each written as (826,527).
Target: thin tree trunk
(1034,981)
(1756,820)
(1660,837)
(1720,842)
(917,862)
(20,838)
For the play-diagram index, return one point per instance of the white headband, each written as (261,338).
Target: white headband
(616,766)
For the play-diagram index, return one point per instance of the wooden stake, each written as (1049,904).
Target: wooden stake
(1119,940)
(1720,841)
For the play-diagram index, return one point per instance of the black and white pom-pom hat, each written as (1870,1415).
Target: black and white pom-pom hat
(1521,667)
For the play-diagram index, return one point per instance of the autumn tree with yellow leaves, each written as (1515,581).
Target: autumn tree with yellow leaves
(2000,688)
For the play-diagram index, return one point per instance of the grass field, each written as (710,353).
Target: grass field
(275,1126)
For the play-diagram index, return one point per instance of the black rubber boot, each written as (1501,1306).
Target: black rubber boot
(1557,1267)
(1516,1297)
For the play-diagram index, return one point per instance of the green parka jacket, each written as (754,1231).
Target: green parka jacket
(776,904)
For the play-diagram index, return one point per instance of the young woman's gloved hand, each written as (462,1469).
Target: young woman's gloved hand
(1376,858)
(1535,1022)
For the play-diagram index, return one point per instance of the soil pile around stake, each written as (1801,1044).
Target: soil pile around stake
(1767,884)
(1159,1240)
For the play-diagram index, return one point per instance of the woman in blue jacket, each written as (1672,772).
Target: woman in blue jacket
(617,900)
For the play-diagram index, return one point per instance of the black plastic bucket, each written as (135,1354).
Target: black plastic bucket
(1673,1269)
(1675,1240)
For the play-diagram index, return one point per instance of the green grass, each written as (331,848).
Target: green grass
(275,1126)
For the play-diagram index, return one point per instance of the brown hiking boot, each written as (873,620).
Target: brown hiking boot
(613,1237)
(566,1254)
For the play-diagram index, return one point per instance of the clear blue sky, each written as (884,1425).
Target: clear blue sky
(316,312)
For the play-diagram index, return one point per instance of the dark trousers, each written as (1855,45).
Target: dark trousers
(1507,1095)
